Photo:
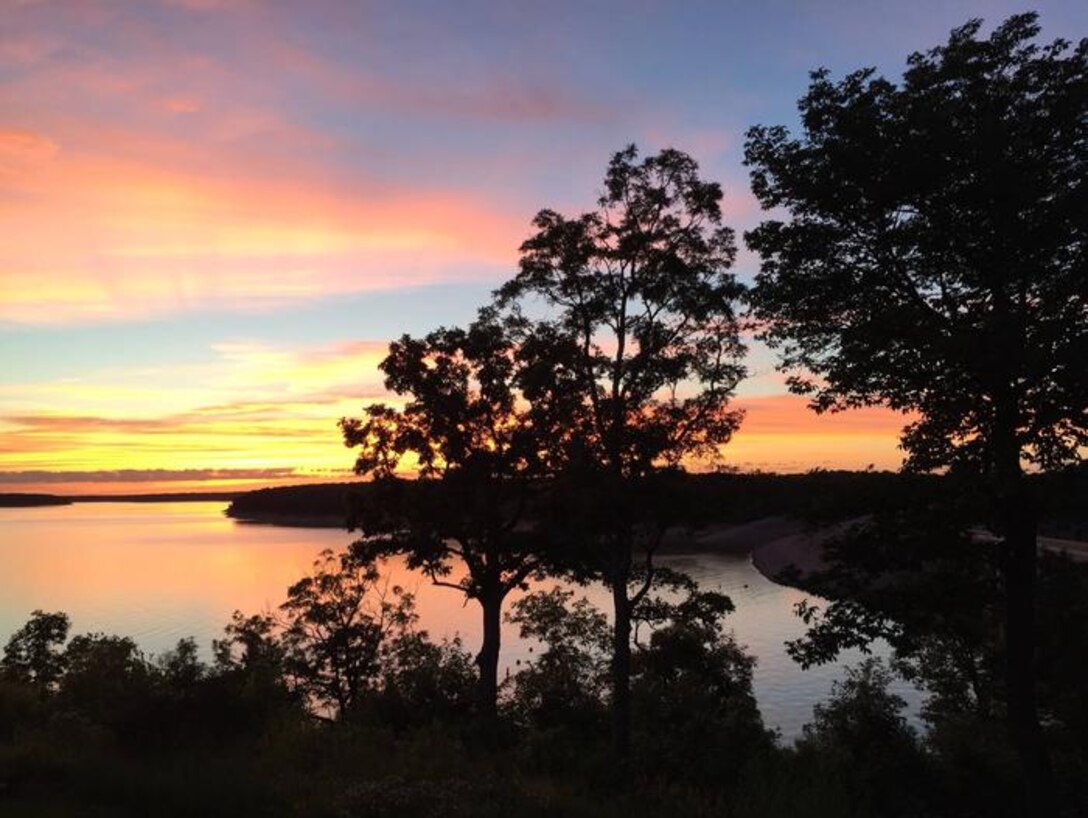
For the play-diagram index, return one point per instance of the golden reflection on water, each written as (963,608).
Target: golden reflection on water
(162,571)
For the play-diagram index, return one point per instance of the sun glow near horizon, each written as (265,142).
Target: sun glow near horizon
(262,444)
(214,217)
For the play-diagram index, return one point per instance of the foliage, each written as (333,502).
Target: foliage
(337,625)
(32,654)
(915,577)
(934,261)
(565,685)
(250,643)
(726,496)
(125,731)
(1063,653)
(861,715)
(181,667)
(423,682)
(105,679)
(640,322)
(934,258)
(696,721)
(861,740)
(477,454)
(630,365)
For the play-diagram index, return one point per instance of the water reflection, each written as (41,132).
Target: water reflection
(159,572)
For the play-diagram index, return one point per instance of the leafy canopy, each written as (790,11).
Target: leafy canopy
(934,255)
(475,448)
(638,349)
(337,625)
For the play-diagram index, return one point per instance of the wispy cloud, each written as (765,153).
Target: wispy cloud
(96,237)
(160,173)
(252,405)
(142,476)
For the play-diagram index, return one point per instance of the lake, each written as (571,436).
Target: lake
(159,572)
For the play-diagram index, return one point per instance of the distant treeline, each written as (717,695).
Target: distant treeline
(17,500)
(27,500)
(819,496)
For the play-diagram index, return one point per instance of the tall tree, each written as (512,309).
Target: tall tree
(476,451)
(630,351)
(933,259)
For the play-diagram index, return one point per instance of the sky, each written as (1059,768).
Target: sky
(215,214)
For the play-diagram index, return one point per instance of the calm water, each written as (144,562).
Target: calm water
(159,572)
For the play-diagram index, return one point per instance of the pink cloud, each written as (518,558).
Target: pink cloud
(103,237)
(181,105)
(486,97)
(27,50)
(21,150)
(208,5)
(184,185)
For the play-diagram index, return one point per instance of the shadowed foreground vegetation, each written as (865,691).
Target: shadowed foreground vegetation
(337,704)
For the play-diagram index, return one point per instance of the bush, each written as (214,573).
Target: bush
(860,739)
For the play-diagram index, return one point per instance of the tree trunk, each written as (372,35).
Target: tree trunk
(488,658)
(1017,514)
(621,669)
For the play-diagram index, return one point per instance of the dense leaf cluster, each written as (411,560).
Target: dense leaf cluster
(935,257)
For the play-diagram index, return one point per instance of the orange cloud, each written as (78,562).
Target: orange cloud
(254,407)
(780,433)
(247,439)
(788,413)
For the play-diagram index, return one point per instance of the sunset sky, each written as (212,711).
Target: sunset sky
(215,215)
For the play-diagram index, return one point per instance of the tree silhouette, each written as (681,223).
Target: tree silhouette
(337,623)
(933,260)
(477,454)
(631,361)
(33,654)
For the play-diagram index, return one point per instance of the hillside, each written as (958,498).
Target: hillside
(820,497)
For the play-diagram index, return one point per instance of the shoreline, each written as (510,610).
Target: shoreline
(289,520)
(783,549)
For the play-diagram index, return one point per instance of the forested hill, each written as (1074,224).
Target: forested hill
(315,506)
(20,500)
(28,500)
(820,496)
